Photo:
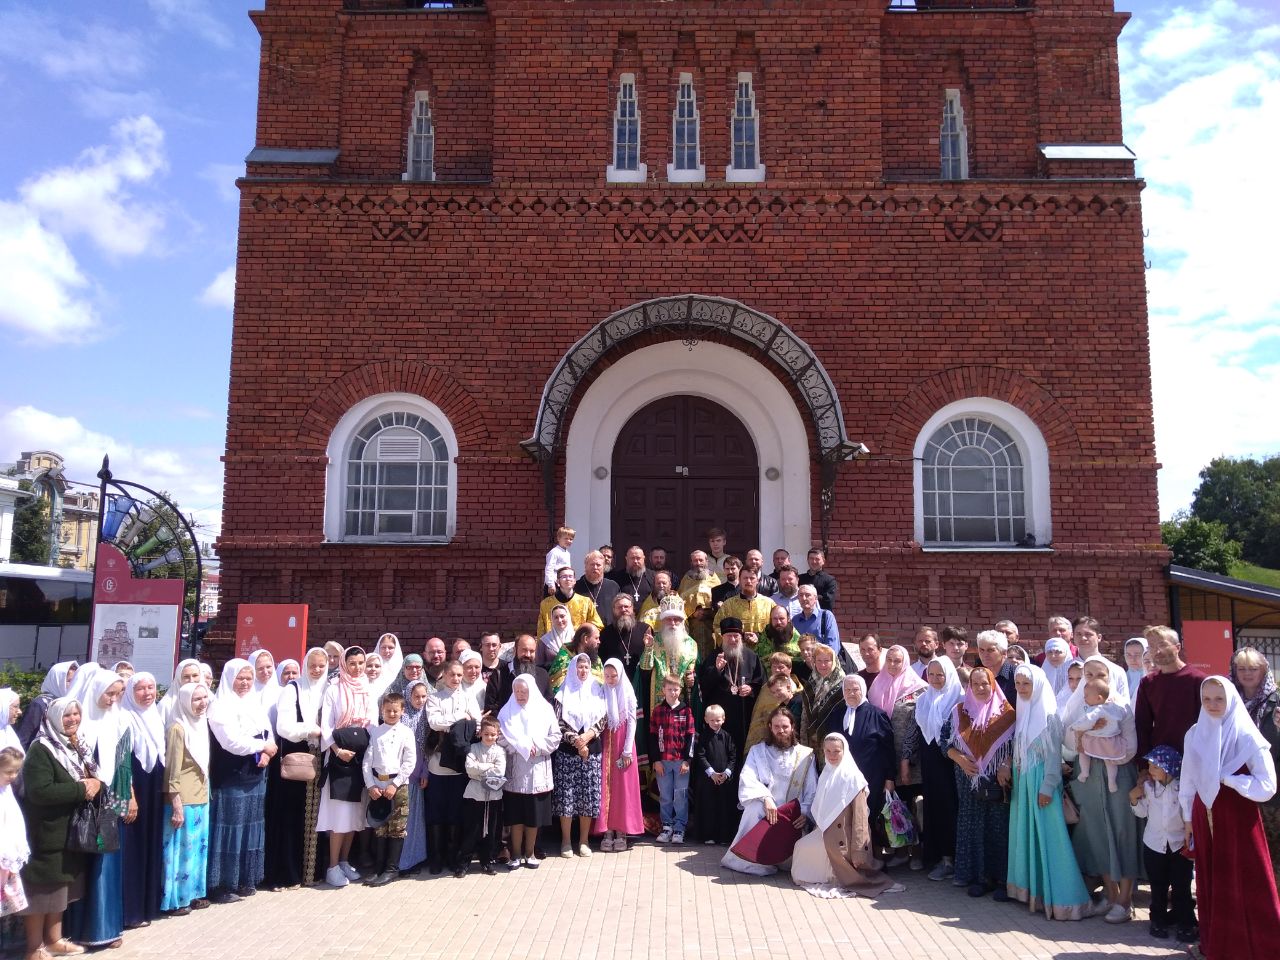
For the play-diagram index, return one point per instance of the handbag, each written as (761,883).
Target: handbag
(989,789)
(899,828)
(1070,812)
(303,766)
(93,828)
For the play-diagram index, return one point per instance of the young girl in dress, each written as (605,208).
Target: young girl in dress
(14,850)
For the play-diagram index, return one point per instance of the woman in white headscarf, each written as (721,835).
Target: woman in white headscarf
(57,683)
(1057,657)
(452,716)
(186,828)
(388,650)
(581,710)
(1227,771)
(1106,838)
(555,639)
(1074,673)
(57,777)
(98,918)
(620,812)
(937,771)
(266,686)
(143,842)
(530,734)
(1043,872)
(241,747)
(473,684)
(414,852)
(187,671)
(835,859)
(10,711)
(294,805)
(346,713)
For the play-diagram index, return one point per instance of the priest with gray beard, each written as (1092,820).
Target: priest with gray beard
(732,679)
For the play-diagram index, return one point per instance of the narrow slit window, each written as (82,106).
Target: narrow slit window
(422,140)
(746,126)
(953,141)
(626,126)
(686,126)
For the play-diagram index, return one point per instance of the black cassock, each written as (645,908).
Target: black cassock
(716,687)
(715,811)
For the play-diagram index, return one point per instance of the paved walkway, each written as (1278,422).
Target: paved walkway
(650,903)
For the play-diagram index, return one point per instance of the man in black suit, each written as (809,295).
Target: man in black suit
(498,690)
(822,581)
(634,579)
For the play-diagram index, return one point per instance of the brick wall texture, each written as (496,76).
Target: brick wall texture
(1024,283)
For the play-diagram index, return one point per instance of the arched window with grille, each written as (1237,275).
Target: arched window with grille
(981,478)
(391,473)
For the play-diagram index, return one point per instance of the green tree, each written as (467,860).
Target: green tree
(1200,544)
(1244,496)
(31,528)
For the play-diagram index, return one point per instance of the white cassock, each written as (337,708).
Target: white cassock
(769,772)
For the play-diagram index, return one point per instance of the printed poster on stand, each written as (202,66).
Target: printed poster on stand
(135,620)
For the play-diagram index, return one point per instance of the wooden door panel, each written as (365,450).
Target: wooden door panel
(681,465)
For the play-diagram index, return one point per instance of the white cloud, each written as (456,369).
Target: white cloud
(42,289)
(222,291)
(1202,98)
(193,15)
(193,477)
(72,49)
(44,292)
(91,196)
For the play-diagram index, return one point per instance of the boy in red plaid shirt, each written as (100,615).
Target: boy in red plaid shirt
(671,731)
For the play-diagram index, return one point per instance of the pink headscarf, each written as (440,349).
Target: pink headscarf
(353,695)
(989,738)
(886,690)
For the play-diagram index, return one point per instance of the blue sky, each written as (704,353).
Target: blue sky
(125,123)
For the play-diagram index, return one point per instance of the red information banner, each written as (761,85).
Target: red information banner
(1208,645)
(135,620)
(278,627)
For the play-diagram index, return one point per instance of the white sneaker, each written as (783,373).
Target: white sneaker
(566,852)
(515,863)
(334,877)
(678,837)
(665,835)
(584,850)
(1119,913)
(351,872)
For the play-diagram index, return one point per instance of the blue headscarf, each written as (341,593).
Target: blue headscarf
(1167,759)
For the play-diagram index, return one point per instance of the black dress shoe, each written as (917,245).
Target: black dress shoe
(1158,930)
(487,870)
(246,891)
(1188,934)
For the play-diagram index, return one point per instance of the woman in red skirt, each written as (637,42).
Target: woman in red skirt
(1226,772)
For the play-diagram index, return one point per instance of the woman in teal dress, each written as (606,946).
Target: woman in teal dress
(98,919)
(1043,872)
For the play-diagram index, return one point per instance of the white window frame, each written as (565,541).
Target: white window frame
(744,174)
(697,173)
(421,99)
(612,173)
(336,472)
(953,112)
(1035,468)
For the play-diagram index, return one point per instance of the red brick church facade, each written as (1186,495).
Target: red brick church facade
(813,270)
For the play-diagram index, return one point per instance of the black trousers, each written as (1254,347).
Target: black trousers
(1169,871)
(480,838)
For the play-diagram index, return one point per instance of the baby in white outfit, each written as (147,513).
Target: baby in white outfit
(1106,743)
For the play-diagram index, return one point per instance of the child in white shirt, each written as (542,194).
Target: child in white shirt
(482,800)
(14,850)
(387,766)
(1107,742)
(557,557)
(1167,866)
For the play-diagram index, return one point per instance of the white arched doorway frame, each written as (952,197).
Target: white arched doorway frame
(715,372)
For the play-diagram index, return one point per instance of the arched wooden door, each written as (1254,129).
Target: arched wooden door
(681,465)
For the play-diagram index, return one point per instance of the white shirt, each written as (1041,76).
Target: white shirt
(919,668)
(557,557)
(391,750)
(792,603)
(1159,804)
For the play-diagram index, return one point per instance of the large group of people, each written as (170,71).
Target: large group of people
(691,709)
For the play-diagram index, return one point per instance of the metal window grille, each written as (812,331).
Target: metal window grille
(397,480)
(626,127)
(745,126)
(685,118)
(973,485)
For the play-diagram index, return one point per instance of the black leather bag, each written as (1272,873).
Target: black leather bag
(93,828)
(989,789)
(345,780)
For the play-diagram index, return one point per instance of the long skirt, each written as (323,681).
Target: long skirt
(982,836)
(1106,839)
(941,804)
(838,861)
(311,813)
(619,789)
(1042,865)
(237,836)
(186,858)
(143,847)
(1271,828)
(340,816)
(414,850)
(286,815)
(1235,886)
(443,801)
(577,784)
(98,918)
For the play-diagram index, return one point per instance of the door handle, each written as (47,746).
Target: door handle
(682,471)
